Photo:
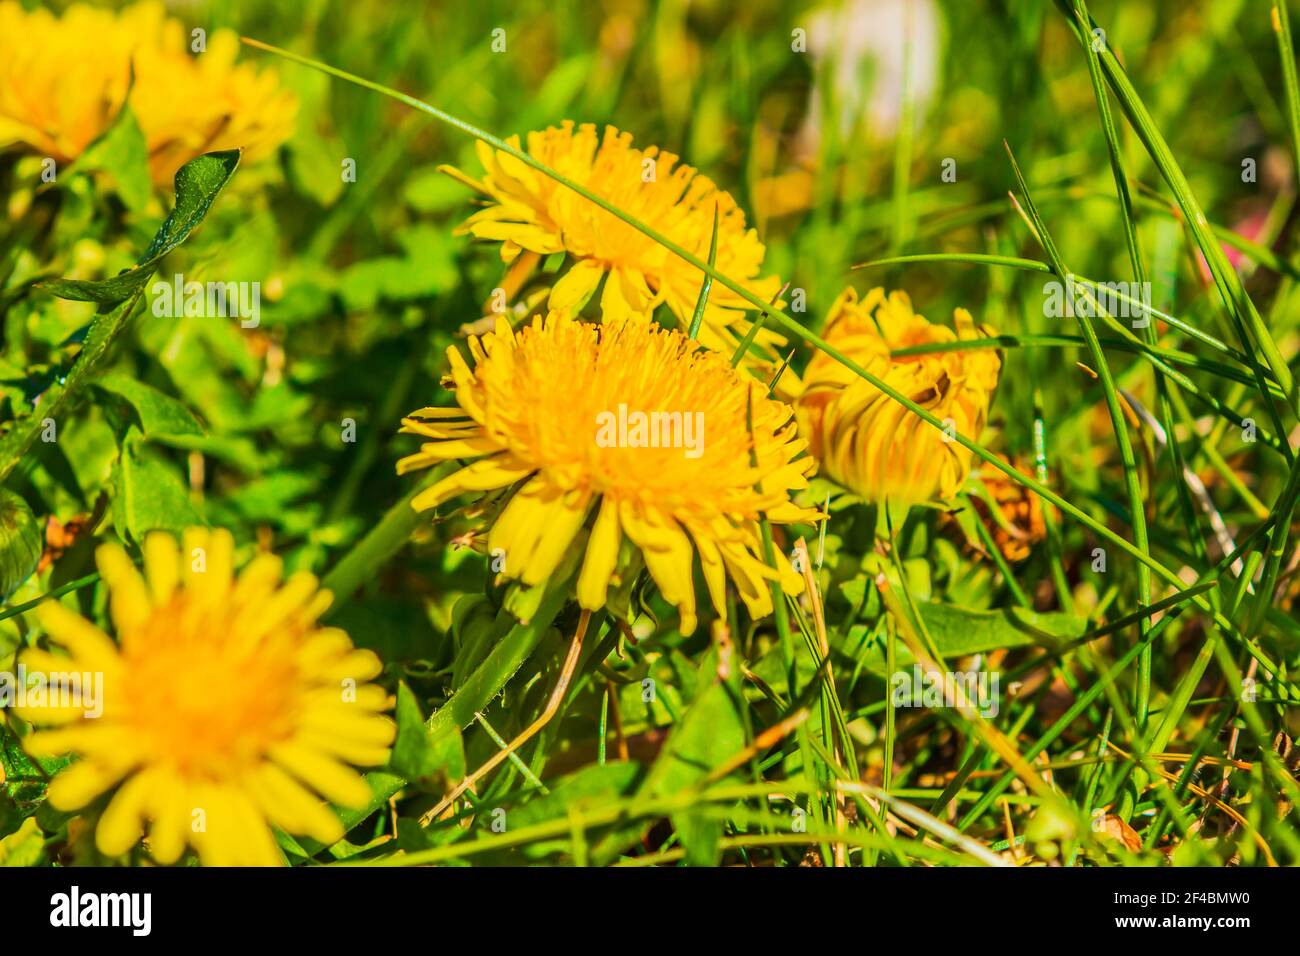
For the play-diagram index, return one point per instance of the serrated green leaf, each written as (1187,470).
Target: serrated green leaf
(417,755)
(709,733)
(197,185)
(148,494)
(24,775)
(957,632)
(701,837)
(478,690)
(472,619)
(591,786)
(159,415)
(960,631)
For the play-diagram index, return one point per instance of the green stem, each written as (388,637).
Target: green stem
(380,544)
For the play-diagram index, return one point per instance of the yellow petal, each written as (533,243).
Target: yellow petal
(170,808)
(129,604)
(576,287)
(602,557)
(327,776)
(486,474)
(161,566)
(715,573)
(350,751)
(254,842)
(257,581)
(293,808)
(626,294)
(359,666)
(121,825)
(668,558)
(89,646)
(78,784)
(536,529)
(208,561)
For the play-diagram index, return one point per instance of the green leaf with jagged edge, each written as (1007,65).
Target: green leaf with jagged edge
(20,542)
(473,631)
(11,817)
(147,494)
(570,795)
(197,185)
(159,415)
(417,755)
(23,778)
(960,632)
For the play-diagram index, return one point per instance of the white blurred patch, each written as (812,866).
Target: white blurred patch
(861,44)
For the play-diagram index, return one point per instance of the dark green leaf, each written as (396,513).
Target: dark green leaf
(709,733)
(416,754)
(160,416)
(20,542)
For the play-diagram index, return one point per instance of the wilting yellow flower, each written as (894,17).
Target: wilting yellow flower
(629,424)
(63,81)
(225,706)
(865,440)
(530,211)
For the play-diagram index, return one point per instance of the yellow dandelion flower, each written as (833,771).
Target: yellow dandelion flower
(530,211)
(865,440)
(189,105)
(225,706)
(63,81)
(630,425)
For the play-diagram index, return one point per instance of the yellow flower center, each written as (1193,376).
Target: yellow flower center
(643,415)
(197,699)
